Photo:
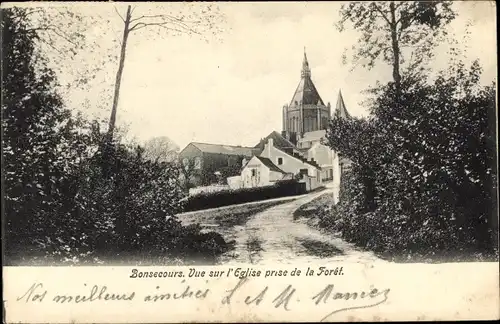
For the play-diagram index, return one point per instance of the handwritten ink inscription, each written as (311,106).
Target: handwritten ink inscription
(285,297)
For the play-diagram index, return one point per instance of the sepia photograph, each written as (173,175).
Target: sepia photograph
(179,134)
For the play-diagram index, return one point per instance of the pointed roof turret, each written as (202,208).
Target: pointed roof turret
(306,92)
(340,109)
(306,71)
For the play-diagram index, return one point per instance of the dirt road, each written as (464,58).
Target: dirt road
(272,236)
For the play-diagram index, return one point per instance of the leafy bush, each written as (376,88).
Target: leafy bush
(239,196)
(71,195)
(424,175)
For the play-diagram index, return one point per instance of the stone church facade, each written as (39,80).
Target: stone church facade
(307,116)
(306,112)
(299,149)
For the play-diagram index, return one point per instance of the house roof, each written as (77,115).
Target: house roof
(306,92)
(278,141)
(268,163)
(224,149)
(301,158)
(313,136)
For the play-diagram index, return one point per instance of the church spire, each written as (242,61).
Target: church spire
(306,71)
(340,109)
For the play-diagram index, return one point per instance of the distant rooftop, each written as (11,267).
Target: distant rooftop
(224,149)
(313,136)
(267,162)
(278,141)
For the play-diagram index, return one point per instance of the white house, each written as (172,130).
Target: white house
(323,156)
(260,171)
(293,164)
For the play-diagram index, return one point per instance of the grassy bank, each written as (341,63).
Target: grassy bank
(314,208)
(227,221)
(227,218)
(321,214)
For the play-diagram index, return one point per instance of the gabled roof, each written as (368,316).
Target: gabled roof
(278,141)
(301,158)
(224,149)
(268,163)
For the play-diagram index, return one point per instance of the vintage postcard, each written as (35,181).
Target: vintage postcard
(249,162)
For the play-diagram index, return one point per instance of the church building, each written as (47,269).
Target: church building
(305,121)
(300,148)
(307,116)
(306,112)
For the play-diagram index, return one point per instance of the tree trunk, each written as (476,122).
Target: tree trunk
(395,48)
(112,119)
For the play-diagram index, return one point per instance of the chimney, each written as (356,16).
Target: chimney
(268,146)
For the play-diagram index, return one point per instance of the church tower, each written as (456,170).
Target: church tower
(306,111)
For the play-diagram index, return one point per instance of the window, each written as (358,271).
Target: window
(253,172)
(197,163)
(280,161)
(185,162)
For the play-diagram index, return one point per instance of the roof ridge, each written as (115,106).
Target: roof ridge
(222,144)
(268,160)
(300,158)
(286,139)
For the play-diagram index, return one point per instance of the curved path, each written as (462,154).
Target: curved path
(272,236)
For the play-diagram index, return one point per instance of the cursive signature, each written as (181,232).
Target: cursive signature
(328,294)
(287,297)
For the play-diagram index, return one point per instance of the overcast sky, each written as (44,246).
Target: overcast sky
(233,91)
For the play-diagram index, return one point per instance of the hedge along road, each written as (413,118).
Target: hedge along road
(272,236)
(180,215)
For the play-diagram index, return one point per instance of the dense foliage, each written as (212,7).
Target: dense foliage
(68,194)
(423,180)
(238,196)
(392,30)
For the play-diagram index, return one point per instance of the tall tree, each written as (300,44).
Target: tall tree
(198,19)
(160,149)
(39,146)
(388,28)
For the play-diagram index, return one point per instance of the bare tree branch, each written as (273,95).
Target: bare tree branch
(183,27)
(165,16)
(30,12)
(62,35)
(51,44)
(123,19)
(166,19)
(146,16)
(382,13)
(56,31)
